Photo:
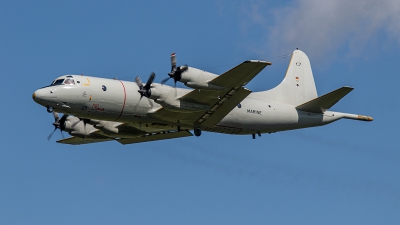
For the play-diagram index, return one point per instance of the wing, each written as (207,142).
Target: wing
(220,102)
(241,74)
(128,135)
(81,141)
(155,137)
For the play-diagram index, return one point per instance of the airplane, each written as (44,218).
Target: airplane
(99,109)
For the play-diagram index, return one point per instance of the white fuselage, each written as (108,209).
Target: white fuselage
(116,100)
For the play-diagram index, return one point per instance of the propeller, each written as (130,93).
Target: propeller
(145,90)
(58,124)
(176,72)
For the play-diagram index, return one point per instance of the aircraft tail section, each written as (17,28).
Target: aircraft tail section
(324,102)
(298,86)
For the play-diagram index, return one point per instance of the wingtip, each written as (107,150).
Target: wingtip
(258,61)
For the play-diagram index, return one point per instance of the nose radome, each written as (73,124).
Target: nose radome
(45,96)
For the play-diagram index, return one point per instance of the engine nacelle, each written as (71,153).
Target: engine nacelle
(198,79)
(72,124)
(76,127)
(105,126)
(168,97)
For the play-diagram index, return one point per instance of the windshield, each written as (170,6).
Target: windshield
(68,80)
(57,82)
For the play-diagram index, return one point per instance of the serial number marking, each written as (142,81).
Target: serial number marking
(253,111)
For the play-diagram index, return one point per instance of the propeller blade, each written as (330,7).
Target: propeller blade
(56,116)
(62,122)
(134,109)
(150,81)
(51,134)
(173,61)
(165,80)
(139,82)
(58,124)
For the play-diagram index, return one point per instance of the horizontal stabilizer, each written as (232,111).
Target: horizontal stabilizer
(324,102)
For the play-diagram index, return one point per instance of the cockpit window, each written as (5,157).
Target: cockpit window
(57,82)
(69,81)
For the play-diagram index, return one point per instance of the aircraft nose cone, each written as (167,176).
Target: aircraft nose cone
(44,96)
(36,96)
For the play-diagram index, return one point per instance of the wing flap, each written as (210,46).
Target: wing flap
(324,102)
(226,104)
(155,137)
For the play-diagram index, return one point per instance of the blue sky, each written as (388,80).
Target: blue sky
(343,173)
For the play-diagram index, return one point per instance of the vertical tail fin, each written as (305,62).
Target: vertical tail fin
(298,85)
